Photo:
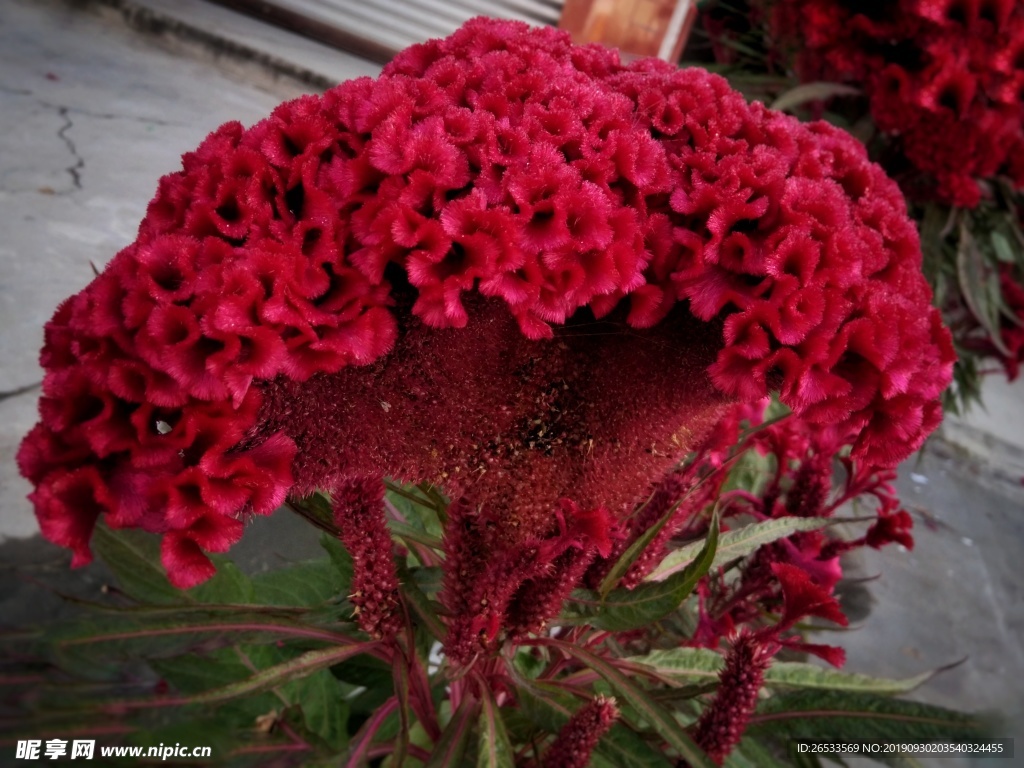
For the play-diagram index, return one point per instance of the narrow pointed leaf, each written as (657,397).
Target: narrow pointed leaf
(271,677)
(807,92)
(689,665)
(660,719)
(753,754)
(236,625)
(682,665)
(451,748)
(423,608)
(550,709)
(400,674)
(973,274)
(625,609)
(633,551)
(134,558)
(739,543)
(361,741)
(845,716)
(800,675)
(414,534)
(495,748)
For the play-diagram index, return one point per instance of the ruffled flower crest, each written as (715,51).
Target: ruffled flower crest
(516,269)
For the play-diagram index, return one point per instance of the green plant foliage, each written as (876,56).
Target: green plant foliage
(852,716)
(739,543)
(625,609)
(452,746)
(273,670)
(495,749)
(693,665)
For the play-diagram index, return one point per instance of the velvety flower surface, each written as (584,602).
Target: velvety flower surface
(575,743)
(514,268)
(945,79)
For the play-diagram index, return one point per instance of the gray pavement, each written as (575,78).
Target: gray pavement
(93,110)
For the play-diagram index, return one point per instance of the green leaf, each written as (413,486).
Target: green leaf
(689,665)
(739,543)
(324,708)
(98,648)
(495,750)
(419,510)
(317,508)
(682,665)
(195,673)
(451,747)
(807,92)
(622,748)
(549,709)
(976,286)
(342,561)
(265,679)
(751,752)
(134,558)
(660,719)
(846,716)
(234,625)
(544,704)
(400,674)
(633,551)
(226,587)
(425,609)
(1001,246)
(528,664)
(751,472)
(365,671)
(627,609)
(306,584)
(320,697)
(414,534)
(795,674)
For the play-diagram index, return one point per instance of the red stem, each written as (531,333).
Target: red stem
(360,744)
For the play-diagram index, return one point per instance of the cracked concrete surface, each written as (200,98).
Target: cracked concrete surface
(75,170)
(92,114)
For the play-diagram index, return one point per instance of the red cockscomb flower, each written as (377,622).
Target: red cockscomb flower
(516,269)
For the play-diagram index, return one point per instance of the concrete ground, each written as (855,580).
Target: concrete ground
(97,103)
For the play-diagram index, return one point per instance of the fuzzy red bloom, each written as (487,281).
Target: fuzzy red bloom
(804,598)
(516,269)
(723,722)
(750,654)
(574,744)
(358,506)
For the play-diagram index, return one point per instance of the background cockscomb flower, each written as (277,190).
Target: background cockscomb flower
(516,269)
(944,79)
